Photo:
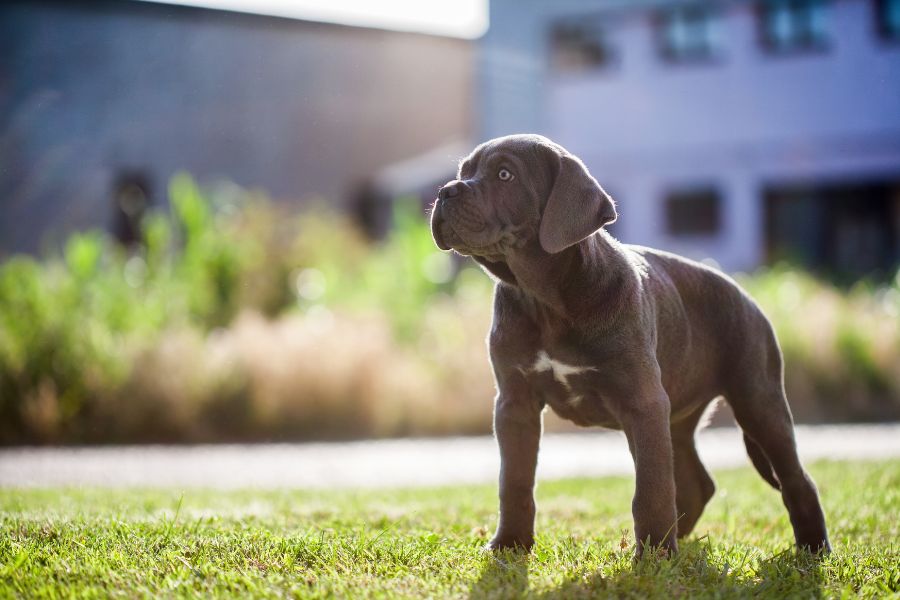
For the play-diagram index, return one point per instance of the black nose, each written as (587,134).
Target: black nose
(450,190)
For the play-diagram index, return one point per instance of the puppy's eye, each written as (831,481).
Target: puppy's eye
(505,175)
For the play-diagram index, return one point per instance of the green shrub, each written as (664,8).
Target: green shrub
(238,319)
(841,348)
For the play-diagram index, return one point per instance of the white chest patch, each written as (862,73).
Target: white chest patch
(561,371)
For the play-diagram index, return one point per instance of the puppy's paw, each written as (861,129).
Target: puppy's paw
(667,549)
(819,548)
(505,542)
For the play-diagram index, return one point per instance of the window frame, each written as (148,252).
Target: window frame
(702,15)
(673,209)
(802,16)
(881,22)
(591,31)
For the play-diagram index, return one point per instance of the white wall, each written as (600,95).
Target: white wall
(740,122)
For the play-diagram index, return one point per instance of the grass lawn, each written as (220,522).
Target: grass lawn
(424,543)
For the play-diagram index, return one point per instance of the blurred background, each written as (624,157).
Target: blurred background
(213,214)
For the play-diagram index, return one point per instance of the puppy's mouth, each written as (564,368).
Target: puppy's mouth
(444,236)
(447,237)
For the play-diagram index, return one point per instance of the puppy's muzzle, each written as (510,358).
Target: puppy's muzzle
(451,190)
(459,222)
(448,193)
(437,225)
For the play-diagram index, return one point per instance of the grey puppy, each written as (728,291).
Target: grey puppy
(620,336)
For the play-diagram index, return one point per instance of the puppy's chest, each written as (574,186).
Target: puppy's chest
(569,387)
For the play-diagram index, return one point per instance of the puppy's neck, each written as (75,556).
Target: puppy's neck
(572,281)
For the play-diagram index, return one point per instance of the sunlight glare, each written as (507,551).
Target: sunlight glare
(456,18)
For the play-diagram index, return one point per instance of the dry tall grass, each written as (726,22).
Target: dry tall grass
(321,374)
(842,348)
(334,374)
(253,324)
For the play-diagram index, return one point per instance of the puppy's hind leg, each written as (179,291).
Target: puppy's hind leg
(693,485)
(757,397)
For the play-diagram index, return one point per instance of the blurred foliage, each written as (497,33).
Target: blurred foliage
(240,320)
(81,327)
(841,346)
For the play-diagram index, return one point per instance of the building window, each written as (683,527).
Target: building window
(793,25)
(845,229)
(687,34)
(888,12)
(693,212)
(577,46)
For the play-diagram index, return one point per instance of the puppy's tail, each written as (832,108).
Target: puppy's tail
(761,462)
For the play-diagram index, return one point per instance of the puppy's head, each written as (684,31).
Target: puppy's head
(518,190)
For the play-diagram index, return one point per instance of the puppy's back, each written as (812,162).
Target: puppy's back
(723,326)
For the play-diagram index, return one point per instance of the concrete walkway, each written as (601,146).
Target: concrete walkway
(392,463)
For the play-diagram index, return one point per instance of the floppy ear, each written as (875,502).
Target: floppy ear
(576,208)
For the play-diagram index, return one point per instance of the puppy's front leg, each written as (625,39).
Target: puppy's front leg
(646,425)
(517,425)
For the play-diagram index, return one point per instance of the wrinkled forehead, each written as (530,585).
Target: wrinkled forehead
(522,151)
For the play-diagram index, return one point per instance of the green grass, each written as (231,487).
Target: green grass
(427,543)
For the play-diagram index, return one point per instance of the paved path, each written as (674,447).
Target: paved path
(391,463)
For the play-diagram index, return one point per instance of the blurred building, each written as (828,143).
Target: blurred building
(416,179)
(101,101)
(745,131)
